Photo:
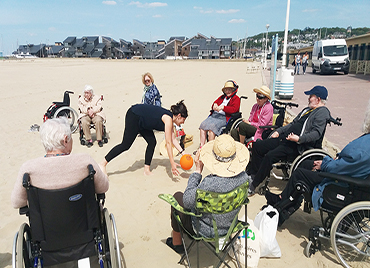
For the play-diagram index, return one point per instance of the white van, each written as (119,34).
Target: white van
(330,56)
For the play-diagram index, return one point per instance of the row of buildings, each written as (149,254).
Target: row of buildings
(196,47)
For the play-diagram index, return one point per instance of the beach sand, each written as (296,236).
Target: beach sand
(29,86)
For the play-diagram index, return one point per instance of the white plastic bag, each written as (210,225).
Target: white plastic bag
(253,245)
(267,221)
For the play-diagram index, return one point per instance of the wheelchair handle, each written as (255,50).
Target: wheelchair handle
(363,183)
(69,92)
(286,104)
(335,121)
(244,97)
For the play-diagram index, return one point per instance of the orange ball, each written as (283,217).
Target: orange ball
(186,162)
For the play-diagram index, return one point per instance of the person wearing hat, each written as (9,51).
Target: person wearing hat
(261,115)
(226,160)
(221,111)
(306,131)
(91,111)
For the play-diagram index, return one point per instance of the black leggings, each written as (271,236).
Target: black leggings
(132,128)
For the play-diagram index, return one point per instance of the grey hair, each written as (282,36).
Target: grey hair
(366,125)
(53,132)
(323,101)
(88,88)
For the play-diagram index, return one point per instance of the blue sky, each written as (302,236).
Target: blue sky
(48,21)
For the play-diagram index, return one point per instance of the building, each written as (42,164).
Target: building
(211,48)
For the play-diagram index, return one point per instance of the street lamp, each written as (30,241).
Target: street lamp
(267,32)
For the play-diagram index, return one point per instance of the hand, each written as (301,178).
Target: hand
(275,134)
(91,113)
(215,107)
(246,121)
(198,163)
(317,164)
(174,169)
(293,137)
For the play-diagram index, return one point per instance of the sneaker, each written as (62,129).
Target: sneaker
(89,144)
(178,248)
(100,143)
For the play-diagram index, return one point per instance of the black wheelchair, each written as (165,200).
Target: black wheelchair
(65,226)
(57,109)
(345,217)
(235,117)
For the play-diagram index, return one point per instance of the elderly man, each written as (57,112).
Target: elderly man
(306,131)
(91,112)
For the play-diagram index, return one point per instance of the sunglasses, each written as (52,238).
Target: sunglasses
(147,81)
(260,97)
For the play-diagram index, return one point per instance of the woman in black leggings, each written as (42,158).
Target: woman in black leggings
(143,119)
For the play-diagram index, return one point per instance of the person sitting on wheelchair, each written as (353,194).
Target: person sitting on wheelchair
(261,115)
(353,161)
(90,107)
(306,131)
(58,168)
(222,109)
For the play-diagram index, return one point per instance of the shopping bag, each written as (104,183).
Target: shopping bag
(253,245)
(266,222)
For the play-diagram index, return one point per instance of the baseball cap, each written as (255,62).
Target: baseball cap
(318,91)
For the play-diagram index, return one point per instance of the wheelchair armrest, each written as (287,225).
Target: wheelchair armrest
(24,210)
(100,196)
(347,179)
(236,115)
(272,126)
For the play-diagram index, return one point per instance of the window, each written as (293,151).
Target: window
(362,52)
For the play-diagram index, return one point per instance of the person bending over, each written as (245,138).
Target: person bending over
(261,115)
(91,111)
(143,119)
(306,131)
(221,111)
(353,161)
(58,168)
(226,160)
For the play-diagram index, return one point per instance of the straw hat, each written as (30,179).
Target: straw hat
(230,84)
(163,149)
(264,91)
(224,157)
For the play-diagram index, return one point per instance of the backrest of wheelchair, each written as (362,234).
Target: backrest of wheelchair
(65,217)
(279,114)
(337,196)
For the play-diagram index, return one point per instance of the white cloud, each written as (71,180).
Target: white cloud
(52,29)
(148,5)
(157,16)
(111,3)
(230,11)
(206,11)
(198,7)
(236,21)
(310,10)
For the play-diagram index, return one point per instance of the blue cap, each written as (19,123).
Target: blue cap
(318,91)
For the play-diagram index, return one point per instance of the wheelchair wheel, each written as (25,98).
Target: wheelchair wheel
(111,241)
(71,115)
(350,235)
(312,154)
(236,124)
(22,256)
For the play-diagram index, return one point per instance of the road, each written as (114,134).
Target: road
(348,98)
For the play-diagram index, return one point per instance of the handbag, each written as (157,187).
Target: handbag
(267,221)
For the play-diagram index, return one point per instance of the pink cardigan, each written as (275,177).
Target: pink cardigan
(57,172)
(264,119)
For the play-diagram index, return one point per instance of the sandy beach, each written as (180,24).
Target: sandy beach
(29,87)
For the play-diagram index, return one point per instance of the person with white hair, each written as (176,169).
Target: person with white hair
(353,161)
(58,168)
(91,111)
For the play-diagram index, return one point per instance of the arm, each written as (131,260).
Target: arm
(175,142)
(168,130)
(265,117)
(233,106)
(191,189)
(151,95)
(81,106)
(101,181)
(319,121)
(97,104)
(19,194)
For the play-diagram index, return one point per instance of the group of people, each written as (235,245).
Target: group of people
(225,156)
(300,60)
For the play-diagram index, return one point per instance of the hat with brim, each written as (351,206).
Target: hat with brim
(264,91)
(229,84)
(163,149)
(224,157)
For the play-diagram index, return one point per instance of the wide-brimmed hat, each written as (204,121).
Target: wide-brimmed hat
(163,149)
(230,84)
(264,91)
(224,156)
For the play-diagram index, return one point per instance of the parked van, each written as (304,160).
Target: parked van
(330,56)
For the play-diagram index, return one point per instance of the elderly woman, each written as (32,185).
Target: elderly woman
(261,115)
(151,93)
(91,111)
(222,109)
(226,160)
(143,119)
(58,168)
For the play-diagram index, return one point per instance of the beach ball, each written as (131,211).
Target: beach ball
(186,162)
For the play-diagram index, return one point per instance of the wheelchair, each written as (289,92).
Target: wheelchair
(65,226)
(235,117)
(57,109)
(345,217)
(289,165)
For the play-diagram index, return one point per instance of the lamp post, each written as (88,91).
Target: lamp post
(267,32)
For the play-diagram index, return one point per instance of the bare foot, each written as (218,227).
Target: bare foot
(147,171)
